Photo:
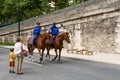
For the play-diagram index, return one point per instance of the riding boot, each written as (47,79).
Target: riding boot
(33,45)
(54,38)
(52,46)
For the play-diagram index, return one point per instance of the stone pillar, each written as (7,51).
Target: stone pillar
(72,34)
(3,39)
(117,39)
(77,37)
(14,38)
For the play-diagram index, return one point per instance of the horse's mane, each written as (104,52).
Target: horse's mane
(61,34)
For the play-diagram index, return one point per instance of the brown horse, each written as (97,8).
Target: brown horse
(58,44)
(41,42)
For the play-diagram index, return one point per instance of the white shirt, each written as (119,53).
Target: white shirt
(18,47)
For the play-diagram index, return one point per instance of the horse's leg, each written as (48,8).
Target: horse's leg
(48,54)
(32,57)
(59,56)
(29,56)
(41,55)
(30,50)
(55,55)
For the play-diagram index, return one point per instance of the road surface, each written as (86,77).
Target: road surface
(69,69)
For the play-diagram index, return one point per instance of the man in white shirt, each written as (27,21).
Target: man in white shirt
(17,49)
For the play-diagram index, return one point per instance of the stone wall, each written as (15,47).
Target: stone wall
(99,35)
(92,25)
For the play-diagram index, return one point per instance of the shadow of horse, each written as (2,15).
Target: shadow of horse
(41,43)
(58,45)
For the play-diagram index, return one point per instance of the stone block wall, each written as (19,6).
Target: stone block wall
(99,35)
(92,25)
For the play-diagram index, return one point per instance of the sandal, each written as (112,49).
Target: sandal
(13,72)
(20,73)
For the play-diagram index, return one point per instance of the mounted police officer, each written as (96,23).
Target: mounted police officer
(54,30)
(36,32)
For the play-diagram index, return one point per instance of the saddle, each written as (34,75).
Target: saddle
(54,37)
(33,41)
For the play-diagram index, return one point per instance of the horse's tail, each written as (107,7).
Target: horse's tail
(28,39)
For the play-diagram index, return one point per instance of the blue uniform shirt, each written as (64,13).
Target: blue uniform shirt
(54,30)
(36,31)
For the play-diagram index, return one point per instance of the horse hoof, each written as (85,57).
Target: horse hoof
(47,59)
(50,59)
(40,62)
(53,59)
(32,61)
(60,61)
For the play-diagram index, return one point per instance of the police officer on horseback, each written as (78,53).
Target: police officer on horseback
(54,30)
(36,32)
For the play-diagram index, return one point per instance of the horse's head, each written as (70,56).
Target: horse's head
(50,37)
(66,37)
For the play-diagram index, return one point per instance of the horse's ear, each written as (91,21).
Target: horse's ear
(67,32)
(48,31)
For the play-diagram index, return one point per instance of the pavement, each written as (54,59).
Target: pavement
(110,58)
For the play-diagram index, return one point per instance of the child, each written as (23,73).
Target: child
(11,60)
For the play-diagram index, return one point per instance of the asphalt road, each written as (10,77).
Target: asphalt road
(69,69)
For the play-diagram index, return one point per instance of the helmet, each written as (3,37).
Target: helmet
(38,23)
(54,23)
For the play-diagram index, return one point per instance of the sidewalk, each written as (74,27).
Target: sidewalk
(97,56)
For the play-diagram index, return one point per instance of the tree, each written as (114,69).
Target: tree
(10,11)
(30,8)
(60,4)
(1,16)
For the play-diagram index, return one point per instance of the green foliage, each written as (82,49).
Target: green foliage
(6,24)
(30,8)
(1,7)
(9,11)
(6,44)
